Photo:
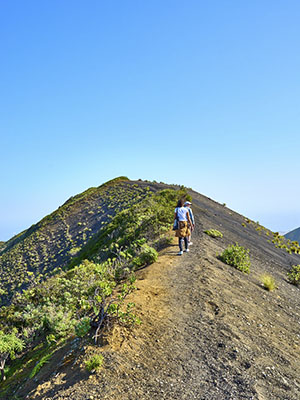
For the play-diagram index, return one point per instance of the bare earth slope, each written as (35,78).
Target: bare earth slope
(209,332)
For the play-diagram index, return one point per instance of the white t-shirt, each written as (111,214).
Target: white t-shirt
(182,213)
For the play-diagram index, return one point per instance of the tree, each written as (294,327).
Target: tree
(9,345)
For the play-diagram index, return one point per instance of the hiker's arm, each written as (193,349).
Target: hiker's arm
(192,218)
(189,218)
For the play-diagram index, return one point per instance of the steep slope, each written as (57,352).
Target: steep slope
(53,242)
(90,291)
(209,332)
(293,235)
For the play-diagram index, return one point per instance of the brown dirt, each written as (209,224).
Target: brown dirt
(209,332)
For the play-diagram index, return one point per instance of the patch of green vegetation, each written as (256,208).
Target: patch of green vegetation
(94,363)
(74,251)
(45,359)
(236,256)
(64,305)
(214,233)
(147,255)
(294,275)
(10,344)
(83,327)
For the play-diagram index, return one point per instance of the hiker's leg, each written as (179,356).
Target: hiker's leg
(186,242)
(180,240)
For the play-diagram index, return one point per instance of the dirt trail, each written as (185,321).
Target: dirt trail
(209,332)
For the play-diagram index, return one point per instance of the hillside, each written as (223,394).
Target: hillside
(60,237)
(208,331)
(294,235)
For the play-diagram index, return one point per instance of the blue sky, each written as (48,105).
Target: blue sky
(205,94)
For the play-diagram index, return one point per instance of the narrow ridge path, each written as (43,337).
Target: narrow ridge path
(204,336)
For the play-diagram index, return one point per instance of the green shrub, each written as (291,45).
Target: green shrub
(10,344)
(94,363)
(213,233)
(236,256)
(83,327)
(294,275)
(148,255)
(268,282)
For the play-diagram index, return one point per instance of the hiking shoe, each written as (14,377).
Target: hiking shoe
(187,250)
(180,253)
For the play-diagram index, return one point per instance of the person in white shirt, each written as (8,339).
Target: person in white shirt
(183,217)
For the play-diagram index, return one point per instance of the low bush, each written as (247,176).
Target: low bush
(213,233)
(10,344)
(294,275)
(236,256)
(83,327)
(268,282)
(94,363)
(147,256)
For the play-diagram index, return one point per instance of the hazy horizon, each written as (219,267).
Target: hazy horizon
(269,221)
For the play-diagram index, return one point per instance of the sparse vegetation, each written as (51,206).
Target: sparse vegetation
(85,293)
(236,256)
(94,363)
(67,233)
(214,233)
(268,282)
(294,275)
(44,360)
(278,240)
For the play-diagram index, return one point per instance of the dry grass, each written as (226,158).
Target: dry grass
(268,282)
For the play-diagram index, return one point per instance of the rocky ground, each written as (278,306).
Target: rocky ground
(208,332)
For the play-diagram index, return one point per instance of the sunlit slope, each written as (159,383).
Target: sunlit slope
(58,238)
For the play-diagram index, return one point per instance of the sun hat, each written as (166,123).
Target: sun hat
(187,203)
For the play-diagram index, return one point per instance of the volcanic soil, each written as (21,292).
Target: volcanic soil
(208,332)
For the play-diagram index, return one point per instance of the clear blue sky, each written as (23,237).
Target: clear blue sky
(200,93)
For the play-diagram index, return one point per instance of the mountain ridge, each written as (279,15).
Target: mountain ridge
(293,235)
(57,238)
(209,331)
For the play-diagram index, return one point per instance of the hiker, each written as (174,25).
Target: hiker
(188,204)
(183,217)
